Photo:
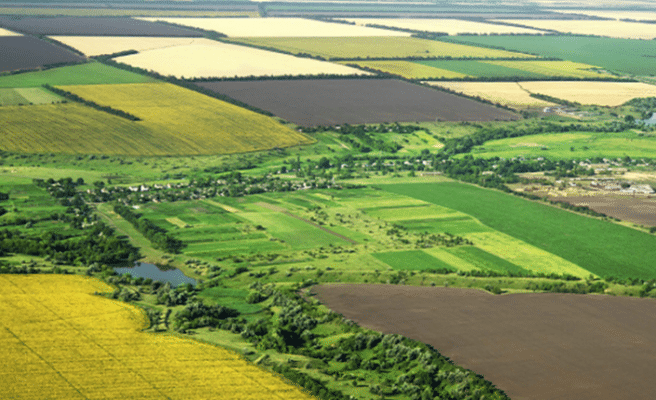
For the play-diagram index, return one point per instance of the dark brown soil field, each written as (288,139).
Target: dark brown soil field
(311,102)
(92,26)
(638,210)
(26,52)
(533,346)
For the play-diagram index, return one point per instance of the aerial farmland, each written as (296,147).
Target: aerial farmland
(327,200)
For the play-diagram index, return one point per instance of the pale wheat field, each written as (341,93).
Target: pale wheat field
(506,93)
(616,29)
(450,26)
(98,45)
(600,93)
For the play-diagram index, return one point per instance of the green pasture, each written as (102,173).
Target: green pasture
(636,56)
(27,96)
(92,73)
(571,145)
(411,260)
(601,247)
(479,69)
(229,297)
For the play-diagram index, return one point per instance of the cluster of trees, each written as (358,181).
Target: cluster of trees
(198,315)
(89,103)
(158,236)
(645,106)
(562,287)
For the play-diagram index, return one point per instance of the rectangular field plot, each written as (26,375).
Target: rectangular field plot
(484,260)
(277,27)
(614,250)
(194,123)
(98,45)
(449,26)
(636,56)
(554,68)
(615,14)
(408,69)
(125,12)
(378,47)
(412,260)
(599,93)
(509,94)
(25,96)
(91,73)
(26,52)
(210,59)
(100,26)
(478,69)
(616,29)
(335,101)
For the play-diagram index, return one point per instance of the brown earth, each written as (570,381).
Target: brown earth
(532,346)
(26,52)
(311,102)
(638,210)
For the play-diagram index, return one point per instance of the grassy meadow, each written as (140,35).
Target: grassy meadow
(601,247)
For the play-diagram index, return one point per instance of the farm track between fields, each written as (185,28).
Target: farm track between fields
(532,346)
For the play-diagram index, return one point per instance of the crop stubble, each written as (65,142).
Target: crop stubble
(537,346)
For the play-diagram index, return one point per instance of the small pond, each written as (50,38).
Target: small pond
(145,270)
(650,121)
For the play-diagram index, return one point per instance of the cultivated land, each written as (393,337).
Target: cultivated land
(355,101)
(25,96)
(635,58)
(199,61)
(71,344)
(509,94)
(616,29)
(540,346)
(91,73)
(99,45)
(407,69)
(278,27)
(191,122)
(613,250)
(627,208)
(377,47)
(559,69)
(615,14)
(93,27)
(449,26)
(4,32)
(26,52)
(601,93)
(583,145)
(100,12)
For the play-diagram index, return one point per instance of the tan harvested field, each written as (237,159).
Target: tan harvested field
(619,15)
(99,45)
(533,346)
(107,12)
(616,29)
(639,210)
(506,93)
(278,27)
(600,93)
(4,32)
(450,26)
(214,59)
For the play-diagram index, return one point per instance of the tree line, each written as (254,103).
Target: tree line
(158,236)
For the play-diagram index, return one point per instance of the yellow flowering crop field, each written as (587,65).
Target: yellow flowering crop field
(59,341)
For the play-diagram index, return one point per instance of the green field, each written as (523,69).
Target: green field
(92,73)
(377,47)
(571,145)
(533,69)
(478,69)
(411,260)
(27,96)
(635,58)
(601,247)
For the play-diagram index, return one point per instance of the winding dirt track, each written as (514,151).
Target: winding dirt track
(532,346)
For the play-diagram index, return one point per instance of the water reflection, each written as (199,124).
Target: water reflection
(145,270)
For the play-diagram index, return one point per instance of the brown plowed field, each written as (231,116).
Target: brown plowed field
(638,210)
(93,26)
(311,102)
(25,52)
(532,346)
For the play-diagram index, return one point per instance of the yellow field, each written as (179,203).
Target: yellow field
(99,45)
(4,32)
(176,121)
(554,68)
(619,15)
(278,27)
(506,93)
(215,59)
(599,93)
(106,12)
(617,29)
(450,26)
(59,341)
(407,69)
(379,47)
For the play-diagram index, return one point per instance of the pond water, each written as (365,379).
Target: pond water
(650,121)
(145,270)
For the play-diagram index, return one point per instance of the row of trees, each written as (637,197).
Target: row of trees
(158,236)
